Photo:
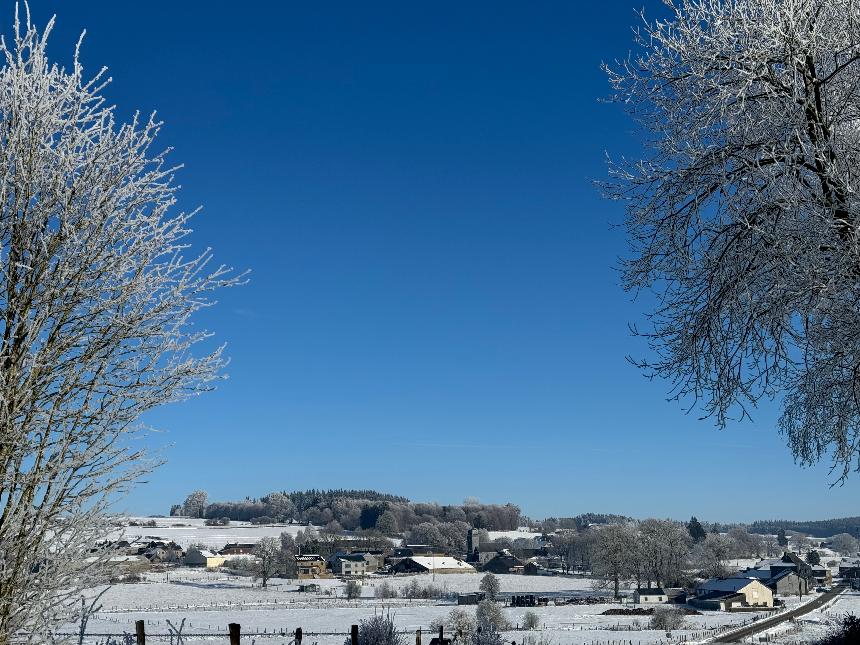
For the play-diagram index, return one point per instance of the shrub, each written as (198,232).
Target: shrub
(490,613)
(262,519)
(848,633)
(667,618)
(241,566)
(378,630)
(530,620)
(415,590)
(411,590)
(486,634)
(385,590)
(541,639)
(458,622)
(353,589)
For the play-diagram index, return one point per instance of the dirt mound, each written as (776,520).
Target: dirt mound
(641,611)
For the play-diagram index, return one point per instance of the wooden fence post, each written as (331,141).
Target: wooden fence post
(353,634)
(298,636)
(418,637)
(140,630)
(235,633)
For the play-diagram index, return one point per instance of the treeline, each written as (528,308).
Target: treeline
(358,510)
(815,528)
(581,522)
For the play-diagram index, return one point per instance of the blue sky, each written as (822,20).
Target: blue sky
(433,309)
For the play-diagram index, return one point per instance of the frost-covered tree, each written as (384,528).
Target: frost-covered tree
(491,613)
(352,590)
(458,622)
(712,553)
(531,620)
(614,545)
(746,544)
(667,618)
(743,212)
(268,559)
(195,504)
(663,548)
(387,523)
(280,506)
(490,585)
(845,544)
(97,293)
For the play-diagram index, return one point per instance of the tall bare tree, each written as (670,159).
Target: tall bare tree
(743,212)
(96,299)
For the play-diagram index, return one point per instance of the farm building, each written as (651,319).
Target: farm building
(237,548)
(346,564)
(822,575)
(504,562)
(432,564)
(850,569)
(789,583)
(728,593)
(649,595)
(204,558)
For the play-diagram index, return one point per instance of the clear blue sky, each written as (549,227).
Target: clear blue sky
(433,309)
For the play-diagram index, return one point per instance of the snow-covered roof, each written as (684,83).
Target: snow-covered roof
(726,584)
(441,562)
(759,574)
(650,591)
(767,564)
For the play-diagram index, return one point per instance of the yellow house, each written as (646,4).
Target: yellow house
(204,558)
(311,566)
(734,592)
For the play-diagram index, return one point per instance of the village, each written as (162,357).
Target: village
(183,572)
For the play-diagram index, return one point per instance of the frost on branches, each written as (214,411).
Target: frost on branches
(96,296)
(743,213)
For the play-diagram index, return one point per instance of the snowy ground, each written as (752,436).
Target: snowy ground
(186,531)
(816,624)
(209,601)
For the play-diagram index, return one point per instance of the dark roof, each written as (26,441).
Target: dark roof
(353,557)
(784,574)
(650,591)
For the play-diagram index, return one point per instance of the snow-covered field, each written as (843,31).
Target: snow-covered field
(816,624)
(185,531)
(209,601)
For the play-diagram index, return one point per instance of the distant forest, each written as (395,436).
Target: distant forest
(432,523)
(355,510)
(815,528)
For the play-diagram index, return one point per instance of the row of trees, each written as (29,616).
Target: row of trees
(663,552)
(360,510)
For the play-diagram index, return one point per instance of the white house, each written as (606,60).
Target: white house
(649,595)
